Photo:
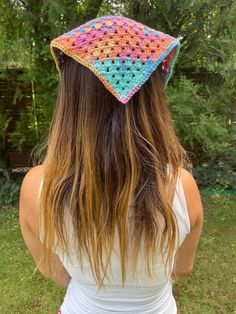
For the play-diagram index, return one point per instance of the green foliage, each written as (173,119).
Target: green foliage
(9,191)
(217,175)
(25,42)
(198,126)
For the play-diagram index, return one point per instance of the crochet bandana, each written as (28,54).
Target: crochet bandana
(121,52)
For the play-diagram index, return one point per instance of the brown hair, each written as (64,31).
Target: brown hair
(101,155)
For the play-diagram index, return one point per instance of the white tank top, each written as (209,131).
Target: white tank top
(139,296)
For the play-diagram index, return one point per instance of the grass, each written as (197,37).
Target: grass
(209,289)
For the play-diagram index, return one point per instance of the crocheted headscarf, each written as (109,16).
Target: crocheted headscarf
(121,52)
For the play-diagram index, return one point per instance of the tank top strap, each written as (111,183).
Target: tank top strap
(180,206)
(40,187)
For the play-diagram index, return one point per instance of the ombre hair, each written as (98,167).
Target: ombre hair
(113,167)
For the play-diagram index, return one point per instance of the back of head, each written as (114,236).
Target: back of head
(102,155)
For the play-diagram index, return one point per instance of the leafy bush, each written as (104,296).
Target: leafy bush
(9,191)
(217,174)
(198,126)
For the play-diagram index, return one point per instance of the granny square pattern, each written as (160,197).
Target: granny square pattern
(121,52)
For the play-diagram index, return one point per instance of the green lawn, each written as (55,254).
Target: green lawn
(209,289)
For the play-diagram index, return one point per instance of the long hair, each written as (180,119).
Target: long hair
(113,168)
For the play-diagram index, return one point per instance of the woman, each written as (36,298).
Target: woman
(112,214)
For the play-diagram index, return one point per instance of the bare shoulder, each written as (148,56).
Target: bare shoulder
(33,175)
(29,195)
(192,196)
(31,182)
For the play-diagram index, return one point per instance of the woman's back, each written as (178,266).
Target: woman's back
(106,200)
(140,295)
